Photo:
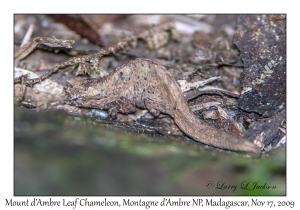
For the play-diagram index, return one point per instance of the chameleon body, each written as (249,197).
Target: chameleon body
(143,83)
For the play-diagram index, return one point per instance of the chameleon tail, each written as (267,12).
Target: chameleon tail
(211,136)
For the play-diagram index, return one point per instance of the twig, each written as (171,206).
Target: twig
(186,86)
(27,36)
(209,91)
(23,88)
(201,106)
(25,50)
(87,63)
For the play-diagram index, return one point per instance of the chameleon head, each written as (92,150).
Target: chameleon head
(82,94)
(73,96)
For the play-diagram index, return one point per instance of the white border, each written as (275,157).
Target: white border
(153,6)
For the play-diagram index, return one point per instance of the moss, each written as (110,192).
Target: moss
(57,155)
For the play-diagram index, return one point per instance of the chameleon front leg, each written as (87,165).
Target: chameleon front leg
(151,106)
(121,105)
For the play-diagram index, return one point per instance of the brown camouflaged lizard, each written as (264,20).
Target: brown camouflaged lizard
(143,83)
